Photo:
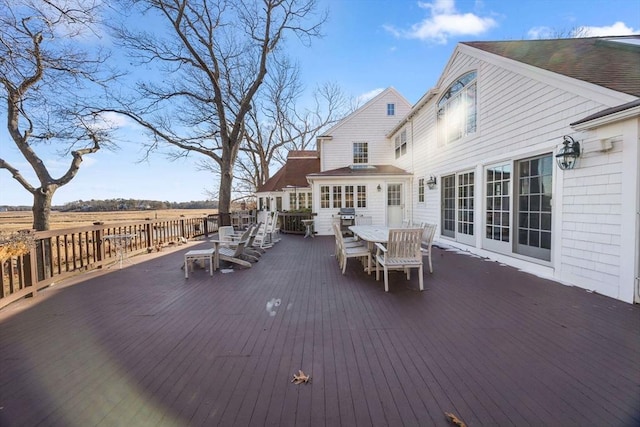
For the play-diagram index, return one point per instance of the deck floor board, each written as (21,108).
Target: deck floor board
(143,346)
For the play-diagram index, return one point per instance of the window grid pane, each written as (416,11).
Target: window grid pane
(421,190)
(498,204)
(360,153)
(449,205)
(348,196)
(337,196)
(457,109)
(534,209)
(465,203)
(324,196)
(362,196)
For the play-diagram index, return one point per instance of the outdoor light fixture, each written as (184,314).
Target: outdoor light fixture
(431,182)
(379,188)
(568,154)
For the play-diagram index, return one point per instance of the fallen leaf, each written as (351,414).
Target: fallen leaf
(455,420)
(300,378)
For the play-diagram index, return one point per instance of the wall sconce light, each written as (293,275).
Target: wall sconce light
(379,188)
(432,182)
(568,154)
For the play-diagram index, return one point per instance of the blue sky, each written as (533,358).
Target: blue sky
(368,45)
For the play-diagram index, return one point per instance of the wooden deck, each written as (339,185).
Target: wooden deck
(142,346)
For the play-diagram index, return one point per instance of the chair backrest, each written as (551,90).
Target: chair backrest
(240,244)
(429,232)
(254,231)
(404,243)
(364,220)
(225,232)
(338,234)
(272,217)
(260,237)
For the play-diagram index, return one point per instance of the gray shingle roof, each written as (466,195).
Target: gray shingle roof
(611,62)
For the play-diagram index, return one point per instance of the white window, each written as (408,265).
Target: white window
(391,109)
(325,197)
(348,196)
(457,109)
(421,190)
(360,153)
(362,196)
(401,143)
(337,196)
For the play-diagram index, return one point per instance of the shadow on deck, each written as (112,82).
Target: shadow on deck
(143,346)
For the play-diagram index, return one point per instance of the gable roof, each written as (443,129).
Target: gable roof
(610,62)
(359,110)
(293,172)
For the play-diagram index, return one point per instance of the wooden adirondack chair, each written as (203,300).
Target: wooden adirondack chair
(403,252)
(235,252)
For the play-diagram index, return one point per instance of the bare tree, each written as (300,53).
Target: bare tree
(213,56)
(45,77)
(281,125)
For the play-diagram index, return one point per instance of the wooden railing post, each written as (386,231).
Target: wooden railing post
(99,246)
(30,271)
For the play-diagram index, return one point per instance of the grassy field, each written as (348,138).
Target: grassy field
(12,221)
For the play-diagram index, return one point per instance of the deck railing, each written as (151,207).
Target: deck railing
(291,222)
(61,253)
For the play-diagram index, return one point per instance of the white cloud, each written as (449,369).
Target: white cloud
(541,33)
(363,98)
(617,29)
(444,22)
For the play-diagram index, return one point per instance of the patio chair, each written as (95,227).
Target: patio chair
(261,239)
(403,252)
(235,252)
(364,220)
(429,232)
(226,233)
(272,230)
(353,250)
(249,248)
(348,240)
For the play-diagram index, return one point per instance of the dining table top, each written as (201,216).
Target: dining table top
(371,233)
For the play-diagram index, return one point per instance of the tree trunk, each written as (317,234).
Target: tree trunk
(42,199)
(224,195)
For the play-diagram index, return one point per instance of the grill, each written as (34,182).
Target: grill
(347,218)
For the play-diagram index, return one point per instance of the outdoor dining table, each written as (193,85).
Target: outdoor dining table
(371,234)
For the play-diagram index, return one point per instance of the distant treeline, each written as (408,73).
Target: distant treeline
(122,205)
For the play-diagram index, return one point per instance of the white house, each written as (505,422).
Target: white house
(356,168)
(478,155)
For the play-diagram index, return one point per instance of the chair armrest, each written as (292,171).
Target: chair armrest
(381,247)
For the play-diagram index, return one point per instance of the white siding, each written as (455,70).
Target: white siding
(368,124)
(523,114)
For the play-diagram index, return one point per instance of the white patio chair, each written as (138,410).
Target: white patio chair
(272,230)
(403,252)
(348,240)
(428,234)
(250,247)
(235,253)
(261,238)
(225,234)
(364,220)
(351,250)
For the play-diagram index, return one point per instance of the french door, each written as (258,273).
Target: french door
(457,214)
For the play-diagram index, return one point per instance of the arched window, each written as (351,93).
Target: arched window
(457,109)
